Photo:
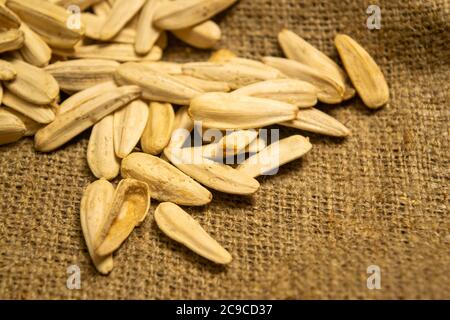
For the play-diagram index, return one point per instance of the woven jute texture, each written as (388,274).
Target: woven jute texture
(379,197)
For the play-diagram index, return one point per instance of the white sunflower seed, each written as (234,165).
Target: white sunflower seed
(181,227)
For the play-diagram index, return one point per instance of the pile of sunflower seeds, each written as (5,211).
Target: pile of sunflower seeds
(104,56)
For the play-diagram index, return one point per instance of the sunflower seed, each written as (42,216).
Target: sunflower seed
(50,21)
(257,65)
(221,56)
(121,52)
(84,96)
(39,113)
(156,86)
(182,127)
(171,68)
(129,124)
(7,70)
(204,35)
(11,127)
(165,181)
(129,207)
(204,85)
(34,50)
(330,91)
(181,14)
(101,157)
(31,126)
(146,33)
(8,19)
(235,74)
(231,144)
(11,40)
(365,74)
(95,23)
(32,84)
(296,92)
(121,12)
(275,155)
(101,8)
(128,36)
(159,126)
(82,4)
(227,111)
(94,208)
(181,227)
(81,74)
(212,174)
(314,120)
(256,146)
(69,124)
(296,48)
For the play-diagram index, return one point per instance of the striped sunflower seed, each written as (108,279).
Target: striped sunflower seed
(365,74)
(275,155)
(11,40)
(121,12)
(8,19)
(296,92)
(181,14)
(39,113)
(235,74)
(34,50)
(101,8)
(94,208)
(158,129)
(129,207)
(221,56)
(204,85)
(122,52)
(231,144)
(82,4)
(81,74)
(49,20)
(146,33)
(156,86)
(296,48)
(32,84)
(71,123)
(212,174)
(101,158)
(7,70)
(129,124)
(94,24)
(172,68)
(204,35)
(31,126)
(84,96)
(227,111)
(314,120)
(182,127)
(181,227)
(165,181)
(11,127)
(330,91)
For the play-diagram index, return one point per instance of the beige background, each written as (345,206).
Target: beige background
(379,197)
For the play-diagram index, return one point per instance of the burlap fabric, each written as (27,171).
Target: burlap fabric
(377,198)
